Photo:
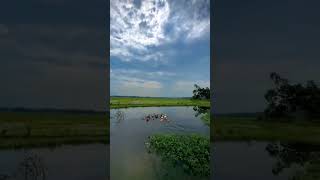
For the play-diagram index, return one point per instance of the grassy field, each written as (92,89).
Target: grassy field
(41,128)
(124,102)
(29,129)
(248,128)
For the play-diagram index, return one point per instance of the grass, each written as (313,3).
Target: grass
(43,128)
(125,102)
(192,152)
(249,128)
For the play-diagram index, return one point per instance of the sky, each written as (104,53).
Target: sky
(53,54)
(159,48)
(254,38)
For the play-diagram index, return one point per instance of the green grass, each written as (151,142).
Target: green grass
(248,128)
(125,102)
(41,128)
(192,151)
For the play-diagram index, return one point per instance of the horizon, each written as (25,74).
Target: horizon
(151,56)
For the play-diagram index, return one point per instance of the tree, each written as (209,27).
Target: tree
(287,100)
(201,93)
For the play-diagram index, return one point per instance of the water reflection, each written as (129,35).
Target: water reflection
(265,161)
(200,110)
(288,155)
(130,159)
(119,116)
(64,163)
(32,167)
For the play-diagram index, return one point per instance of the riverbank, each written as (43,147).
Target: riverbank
(29,129)
(51,128)
(125,102)
(249,128)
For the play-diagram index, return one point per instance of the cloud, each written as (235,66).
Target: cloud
(59,45)
(139,73)
(132,86)
(133,29)
(42,65)
(128,82)
(190,19)
(138,28)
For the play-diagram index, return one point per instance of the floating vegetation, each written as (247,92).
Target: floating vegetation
(191,152)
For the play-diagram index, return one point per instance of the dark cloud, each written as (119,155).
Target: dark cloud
(54,54)
(253,38)
(54,12)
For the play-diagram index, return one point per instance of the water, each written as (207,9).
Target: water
(261,160)
(80,162)
(129,132)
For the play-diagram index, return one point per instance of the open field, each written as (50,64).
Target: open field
(124,102)
(248,128)
(48,128)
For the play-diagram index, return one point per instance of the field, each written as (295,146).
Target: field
(29,129)
(32,128)
(124,102)
(249,128)
(23,129)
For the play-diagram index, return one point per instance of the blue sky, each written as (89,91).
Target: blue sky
(159,47)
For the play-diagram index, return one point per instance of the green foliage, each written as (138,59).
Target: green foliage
(287,100)
(192,152)
(201,93)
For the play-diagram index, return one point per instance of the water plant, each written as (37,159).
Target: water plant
(191,152)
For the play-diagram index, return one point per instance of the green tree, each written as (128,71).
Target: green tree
(287,100)
(201,93)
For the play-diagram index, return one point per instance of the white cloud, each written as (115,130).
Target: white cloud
(135,29)
(131,82)
(132,86)
(190,19)
(139,73)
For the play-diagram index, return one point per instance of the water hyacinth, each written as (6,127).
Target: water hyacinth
(191,152)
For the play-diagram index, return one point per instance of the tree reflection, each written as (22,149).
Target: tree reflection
(119,116)
(200,110)
(32,167)
(289,154)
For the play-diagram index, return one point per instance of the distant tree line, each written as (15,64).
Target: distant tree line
(287,100)
(200,93)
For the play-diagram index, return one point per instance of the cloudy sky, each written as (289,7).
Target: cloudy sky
(53,54)
(159,47)
(254,38)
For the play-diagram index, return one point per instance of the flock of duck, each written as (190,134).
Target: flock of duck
(162,117)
